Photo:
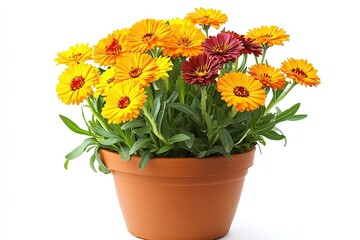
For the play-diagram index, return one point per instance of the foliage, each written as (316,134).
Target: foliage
(197,96)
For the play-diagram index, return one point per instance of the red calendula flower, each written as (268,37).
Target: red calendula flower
(224,47)
(250,47)
(201,70)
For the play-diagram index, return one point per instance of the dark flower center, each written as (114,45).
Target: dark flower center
(184,42)
(75,56)
(220,47)
(266,36)
(241,91)
(201,71)
(77,83)
(265,75)
(135,72)
(123,102)
(299,72)
(114,48)
(147,37)
(110,80)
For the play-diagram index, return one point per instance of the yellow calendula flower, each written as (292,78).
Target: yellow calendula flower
(242,91)
(207,17)
(174,21)
(106,82)
(268,75)
(185,40)
(75,54)
(147,34)
(164,66)
(136,67)
(300,71)
(75,83)
(268,35)
(123,102)
(109,50)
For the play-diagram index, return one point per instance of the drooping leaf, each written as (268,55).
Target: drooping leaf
(297,117)
(273,135)
(80,149)
(144,159)
(124,152)
(102,166)
(73,126)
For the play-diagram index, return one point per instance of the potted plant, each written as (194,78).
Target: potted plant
(176,114)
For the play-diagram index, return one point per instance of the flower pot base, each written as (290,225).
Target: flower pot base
(179,199)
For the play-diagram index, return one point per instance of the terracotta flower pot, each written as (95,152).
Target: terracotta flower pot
(179,198)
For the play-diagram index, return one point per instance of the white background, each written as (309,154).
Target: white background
(306,190)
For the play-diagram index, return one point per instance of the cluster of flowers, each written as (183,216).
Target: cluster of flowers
(128,60)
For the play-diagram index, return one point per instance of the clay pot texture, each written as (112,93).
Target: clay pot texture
(179,198)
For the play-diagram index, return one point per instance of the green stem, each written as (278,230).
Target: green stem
(243,136)
(233,112)
(263,54)
(278,99)
(154,126)
(97,115)
(243,63)
(203,105)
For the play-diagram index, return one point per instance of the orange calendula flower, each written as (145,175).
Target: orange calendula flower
(106,82)
(242,91)
(75,83)
(136,67)
(268,35)
(109,50)
(148,34)
(268,75)
(207,17)
(123,102)
(75,54)
(185,40)
(300,71)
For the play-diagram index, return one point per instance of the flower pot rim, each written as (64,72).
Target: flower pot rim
(179,167)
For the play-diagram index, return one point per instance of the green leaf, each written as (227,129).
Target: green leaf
(218,149)
(156,106)
(125,152)
(201,154)
(226,140)
(102,132)
(287,114)
(102,166)
(187,110)
(80,149)
(141,143)
(144,159)
(66,163)
(92,161)
(164,149)
(297,117)
(111,141)
(142,131)
(273,135)
(264,128)
(73,127)
(179,138)
(135,123)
